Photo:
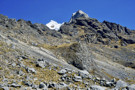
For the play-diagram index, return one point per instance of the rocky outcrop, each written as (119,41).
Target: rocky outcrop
(68,29)
(78,14)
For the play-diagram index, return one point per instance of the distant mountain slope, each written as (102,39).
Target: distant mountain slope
(80,54)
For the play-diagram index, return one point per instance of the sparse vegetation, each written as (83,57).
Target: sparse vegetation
(0,68)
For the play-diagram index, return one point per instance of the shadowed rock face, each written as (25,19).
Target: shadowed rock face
(106,33)
(104,49)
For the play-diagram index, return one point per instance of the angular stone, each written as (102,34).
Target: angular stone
(77,78)
(42,86)
(131,87)
(84,74)
(30,70)
(109,84)
(62,85)
(40,64)
(20,73)
(27,83)
(62,72)
(52,85)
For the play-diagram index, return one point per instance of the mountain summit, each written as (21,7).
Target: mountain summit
(79,14)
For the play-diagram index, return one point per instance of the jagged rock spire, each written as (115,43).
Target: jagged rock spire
(79,14)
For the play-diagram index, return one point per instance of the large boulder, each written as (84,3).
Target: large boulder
(121,84)
(84,74)
(131,87)
(62,71)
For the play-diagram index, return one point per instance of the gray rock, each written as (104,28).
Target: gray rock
(131,87)
(88,89)
(40,27)
(62,72)
(54,33)
(20,73)
(13,46)
(34,86)
(96,87)
(77,78)
(42,86)
(24,57)
(15,85)
(102,83)
(2,17)
(66,78)
(41,63)
(30,70)
(4,88)
(124,89)
(52,85)
(12,39)
(98,79)
(68,70)
(63,78)
(13,64)
(27,83)
(109,84)
(84,74)
(113,80)
(1,85)
(86,83)
(34,44)
(21,65)
(5,80)
(68,30)
(120,84)
(63,84)
(20,58)
(28,78)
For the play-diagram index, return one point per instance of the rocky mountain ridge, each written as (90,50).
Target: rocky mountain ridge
(83,54)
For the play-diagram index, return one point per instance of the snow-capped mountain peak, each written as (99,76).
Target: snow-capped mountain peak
(79,14)
(53,25)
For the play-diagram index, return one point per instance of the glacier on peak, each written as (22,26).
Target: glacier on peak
(53,25)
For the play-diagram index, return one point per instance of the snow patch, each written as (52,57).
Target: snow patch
(54,25)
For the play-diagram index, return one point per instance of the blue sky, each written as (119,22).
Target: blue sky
(42,11)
